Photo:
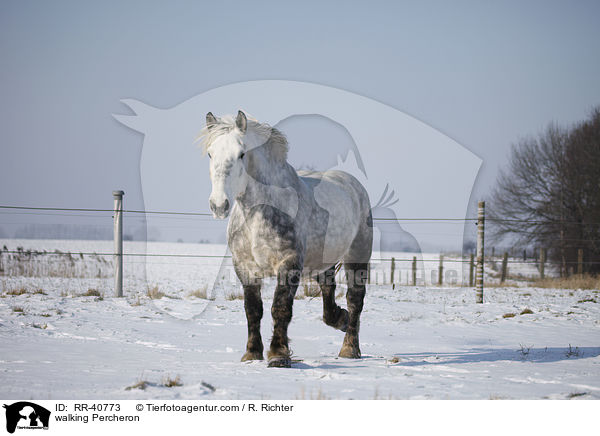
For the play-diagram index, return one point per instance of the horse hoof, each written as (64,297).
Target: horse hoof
(280,362)
(349,352)
(252,355)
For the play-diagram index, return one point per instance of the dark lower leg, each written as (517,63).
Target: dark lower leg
(333,315)
(357,274)
(254,312)
(283,299)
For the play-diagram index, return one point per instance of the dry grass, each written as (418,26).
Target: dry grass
(154,293)
(509,315)
(575,281)
(142,385)
(23,291)
(230,296)
(91,293)
(15,292)
(201,293)
(32,263)
(526,312)
(169,382)
(18,309)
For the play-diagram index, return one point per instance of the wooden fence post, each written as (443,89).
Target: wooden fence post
(480,250)
(504,267)
(471,268)
(441,270)
(118,234)
(393,267)
(414,271)
(580,261)
(525,255)
(542,262)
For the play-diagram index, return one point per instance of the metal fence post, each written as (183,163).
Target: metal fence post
(480,250)
(471,268)
(118,232)
(441,270)
(504,267)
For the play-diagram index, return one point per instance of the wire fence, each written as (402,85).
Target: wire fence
(203,216)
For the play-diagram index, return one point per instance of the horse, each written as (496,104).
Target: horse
(288,224)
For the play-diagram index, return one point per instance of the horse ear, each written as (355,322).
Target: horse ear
(211,120)
(241,122)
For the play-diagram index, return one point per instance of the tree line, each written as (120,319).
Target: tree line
(549,194)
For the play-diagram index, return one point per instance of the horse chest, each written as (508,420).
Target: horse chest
(264,238)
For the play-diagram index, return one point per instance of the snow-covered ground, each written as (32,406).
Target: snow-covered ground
(417,342)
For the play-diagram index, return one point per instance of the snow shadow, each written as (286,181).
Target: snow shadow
(476,355)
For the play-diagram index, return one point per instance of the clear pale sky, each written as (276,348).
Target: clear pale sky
(483,73)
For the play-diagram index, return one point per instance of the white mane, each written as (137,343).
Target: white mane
(257,134)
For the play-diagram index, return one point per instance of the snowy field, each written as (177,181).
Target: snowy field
(423,342)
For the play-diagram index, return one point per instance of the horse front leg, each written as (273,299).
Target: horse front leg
(288,278)
(254,312)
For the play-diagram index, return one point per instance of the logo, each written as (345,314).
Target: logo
(26,415)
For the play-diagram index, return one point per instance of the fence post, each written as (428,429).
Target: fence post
(525,255)
(369,274)
(580,261)
(393,267)
(504,267)
(542,262)
(414,270)
(480,250)
(441,270)
(118,231)
(471,268)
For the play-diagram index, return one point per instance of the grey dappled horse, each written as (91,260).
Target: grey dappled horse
(287,224)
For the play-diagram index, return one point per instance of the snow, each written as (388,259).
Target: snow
(417,342)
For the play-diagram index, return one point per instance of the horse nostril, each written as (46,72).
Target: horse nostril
(219,210)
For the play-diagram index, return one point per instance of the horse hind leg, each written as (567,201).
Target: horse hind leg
(333,315)
(356,274)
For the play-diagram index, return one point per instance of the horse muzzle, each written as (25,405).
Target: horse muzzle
(220,211)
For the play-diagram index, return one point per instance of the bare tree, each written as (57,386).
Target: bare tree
(549,195)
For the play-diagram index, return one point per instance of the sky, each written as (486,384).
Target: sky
(483,73)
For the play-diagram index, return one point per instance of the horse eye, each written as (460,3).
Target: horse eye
(242,155)
(209,156)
